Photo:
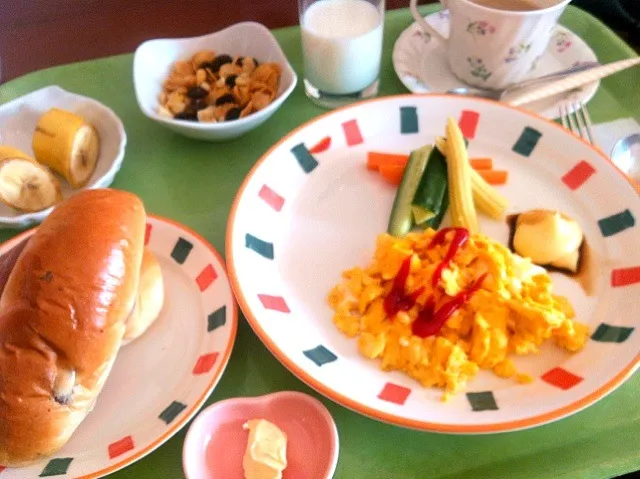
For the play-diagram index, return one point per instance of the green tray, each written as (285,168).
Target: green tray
(168,172)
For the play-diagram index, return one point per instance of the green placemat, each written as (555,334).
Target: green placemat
(195,182)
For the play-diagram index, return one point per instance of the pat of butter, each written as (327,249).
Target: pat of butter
(548,237)
(266,453)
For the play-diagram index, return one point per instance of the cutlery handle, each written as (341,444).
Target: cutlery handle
(551,76)
(573,81)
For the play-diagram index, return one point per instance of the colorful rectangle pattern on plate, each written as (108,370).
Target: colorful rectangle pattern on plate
(272,198)
(625,276)
(578,175)
(57,467)
(172,411)
(320,355)
(616,223)
(217,318)
(561,378)
(120,447)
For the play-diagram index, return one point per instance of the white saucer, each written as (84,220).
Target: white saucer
(421,64)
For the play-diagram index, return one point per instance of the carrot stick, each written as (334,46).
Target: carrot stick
(481,163)
(375,159)
(392,173)
(494,177)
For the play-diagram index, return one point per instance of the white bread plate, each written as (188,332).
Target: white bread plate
(152,63)
(162,379)
(18,119)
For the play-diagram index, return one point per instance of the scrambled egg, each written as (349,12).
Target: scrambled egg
(514,312)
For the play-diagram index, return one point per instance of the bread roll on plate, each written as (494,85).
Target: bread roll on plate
(149,300)
(63,316)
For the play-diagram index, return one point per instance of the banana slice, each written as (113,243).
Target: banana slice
(66,143)
(25,184)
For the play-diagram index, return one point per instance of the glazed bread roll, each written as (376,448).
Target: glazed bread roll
(149,299)
(62,319)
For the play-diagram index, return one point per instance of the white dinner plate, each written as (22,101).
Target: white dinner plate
(422,67)
(301,218)
(160,380)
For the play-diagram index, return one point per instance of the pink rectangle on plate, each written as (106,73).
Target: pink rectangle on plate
(271,198)
(469,123)
(275,303)
(352,132)
(394,393)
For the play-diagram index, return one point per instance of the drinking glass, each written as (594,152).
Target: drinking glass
(341,49)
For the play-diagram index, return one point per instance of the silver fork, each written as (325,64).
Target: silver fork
(575,117)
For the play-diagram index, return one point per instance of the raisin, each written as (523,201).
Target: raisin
(240,61)
(219,61)
(199,104)
(232,114)
(231,81)
(189,114)
(206,65)
(46,277)
(228,98)
(196,92)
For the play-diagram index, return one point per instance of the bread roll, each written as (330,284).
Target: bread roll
(149,299)
(62,319)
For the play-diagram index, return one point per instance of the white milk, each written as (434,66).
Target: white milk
(342,45)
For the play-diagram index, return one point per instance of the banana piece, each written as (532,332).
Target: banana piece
(25,184)
(67,144)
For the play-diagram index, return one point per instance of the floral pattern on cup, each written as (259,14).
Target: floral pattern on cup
(478,69)
(562,41)
(424,36)
(480,29)
(516,52)
(443,14)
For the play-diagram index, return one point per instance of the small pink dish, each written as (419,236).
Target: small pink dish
(216,442)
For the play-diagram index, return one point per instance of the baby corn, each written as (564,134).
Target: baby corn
(463,211)
(485,197)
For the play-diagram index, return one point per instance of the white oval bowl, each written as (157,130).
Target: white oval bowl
(153,59)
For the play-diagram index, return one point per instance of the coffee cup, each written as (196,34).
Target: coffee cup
(495,43)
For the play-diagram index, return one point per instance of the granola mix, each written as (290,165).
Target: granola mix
(214,88)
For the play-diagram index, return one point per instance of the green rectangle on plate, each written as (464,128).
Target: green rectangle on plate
(194,183)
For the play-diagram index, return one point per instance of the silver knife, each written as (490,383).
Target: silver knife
(569,82)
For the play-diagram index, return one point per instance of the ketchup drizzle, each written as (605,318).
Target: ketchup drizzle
(458,241)
(430,321)
(397,300)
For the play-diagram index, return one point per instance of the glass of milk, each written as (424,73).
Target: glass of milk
(342,48)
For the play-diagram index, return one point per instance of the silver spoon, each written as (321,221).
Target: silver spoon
(626,156)
(499,94)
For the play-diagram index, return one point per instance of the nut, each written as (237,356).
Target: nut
(203,56)
(182,68)
(176,103)
(207,115)
(201,76)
